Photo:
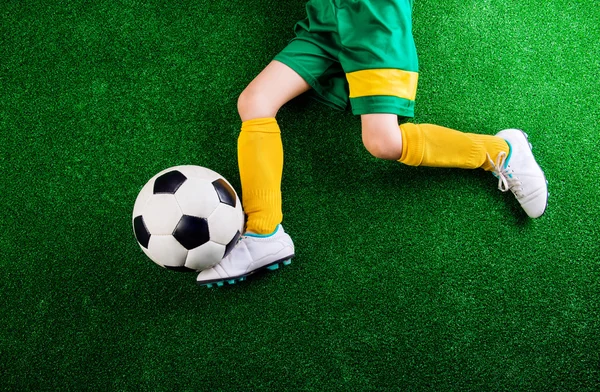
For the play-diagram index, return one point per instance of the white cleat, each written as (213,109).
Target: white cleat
(520,173)
(252,253)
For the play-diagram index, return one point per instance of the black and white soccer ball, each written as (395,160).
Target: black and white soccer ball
(187,218)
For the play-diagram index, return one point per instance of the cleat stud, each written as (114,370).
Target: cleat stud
(287,262)
(273,267)
(220,284)
(232,281)
(243,278)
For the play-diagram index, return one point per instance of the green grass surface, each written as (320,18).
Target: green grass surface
(405,278)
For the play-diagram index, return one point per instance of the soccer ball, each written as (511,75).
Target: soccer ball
(187,218)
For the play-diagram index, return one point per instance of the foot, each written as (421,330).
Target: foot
(252,253)
(520,173)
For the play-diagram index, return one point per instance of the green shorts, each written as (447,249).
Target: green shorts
(360,52)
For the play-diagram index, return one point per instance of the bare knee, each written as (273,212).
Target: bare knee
(381,136)
(253,103)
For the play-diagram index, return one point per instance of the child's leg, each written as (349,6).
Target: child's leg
(260,151)
(508,154)
(260,155)
(428,145)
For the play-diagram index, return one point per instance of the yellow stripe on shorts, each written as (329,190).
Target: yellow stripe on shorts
(394,82)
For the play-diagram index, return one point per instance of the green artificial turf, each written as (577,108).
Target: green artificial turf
(405,278)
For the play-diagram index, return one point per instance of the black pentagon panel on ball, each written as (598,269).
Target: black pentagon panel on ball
(232,243)
(225,192)
(169,182)
(141,231)
(191,232)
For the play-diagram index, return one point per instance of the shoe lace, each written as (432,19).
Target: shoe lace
(506,180)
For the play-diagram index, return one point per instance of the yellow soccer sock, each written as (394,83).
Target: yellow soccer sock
(435,146)
(260,160)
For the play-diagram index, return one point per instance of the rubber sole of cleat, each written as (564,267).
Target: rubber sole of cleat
(531,148)
(271,267)
(222,283)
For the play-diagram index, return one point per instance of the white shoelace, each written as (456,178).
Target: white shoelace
(506,180)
